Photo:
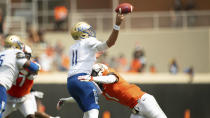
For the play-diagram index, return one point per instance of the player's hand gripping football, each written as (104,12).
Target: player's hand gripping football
(119,19)
(85,78)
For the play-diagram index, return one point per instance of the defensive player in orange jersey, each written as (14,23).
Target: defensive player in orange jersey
(115,88)
(20,96)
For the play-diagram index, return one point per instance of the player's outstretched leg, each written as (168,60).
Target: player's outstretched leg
(149,107)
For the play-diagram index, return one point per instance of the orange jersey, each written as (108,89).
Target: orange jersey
(22,86)
(122,91)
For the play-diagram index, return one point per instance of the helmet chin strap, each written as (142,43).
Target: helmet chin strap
(20,45)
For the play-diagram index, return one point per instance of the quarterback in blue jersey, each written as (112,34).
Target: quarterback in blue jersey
(82,56)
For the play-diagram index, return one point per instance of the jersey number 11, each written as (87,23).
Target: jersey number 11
(74,57)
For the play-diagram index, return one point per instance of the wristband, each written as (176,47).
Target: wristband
(116,27)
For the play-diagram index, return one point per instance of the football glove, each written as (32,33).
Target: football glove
(64,100)
(60,104)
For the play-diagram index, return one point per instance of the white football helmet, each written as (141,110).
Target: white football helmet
(27,50)
(82,30)
(99,69)
(13,41)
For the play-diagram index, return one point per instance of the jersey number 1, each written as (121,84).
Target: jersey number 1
(74,57)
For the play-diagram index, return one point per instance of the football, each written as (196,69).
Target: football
(124,8)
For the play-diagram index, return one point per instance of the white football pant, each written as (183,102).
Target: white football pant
(27,105)
(148,108)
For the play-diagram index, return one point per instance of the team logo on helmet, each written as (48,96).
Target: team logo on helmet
(82,30)
(13,41)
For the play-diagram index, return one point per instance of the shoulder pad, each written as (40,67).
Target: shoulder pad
(92,41)
(20,55)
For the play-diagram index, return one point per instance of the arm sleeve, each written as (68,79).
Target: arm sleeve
(33,67)
(109,79)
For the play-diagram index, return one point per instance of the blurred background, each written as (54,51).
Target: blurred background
(163,47)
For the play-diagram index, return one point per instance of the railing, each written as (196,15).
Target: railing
(103,21)
(149,20)
(43,17)
(15,25)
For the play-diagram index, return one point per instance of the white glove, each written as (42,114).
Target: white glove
(64,100)
(60,104)
(85,78)
(38,94)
